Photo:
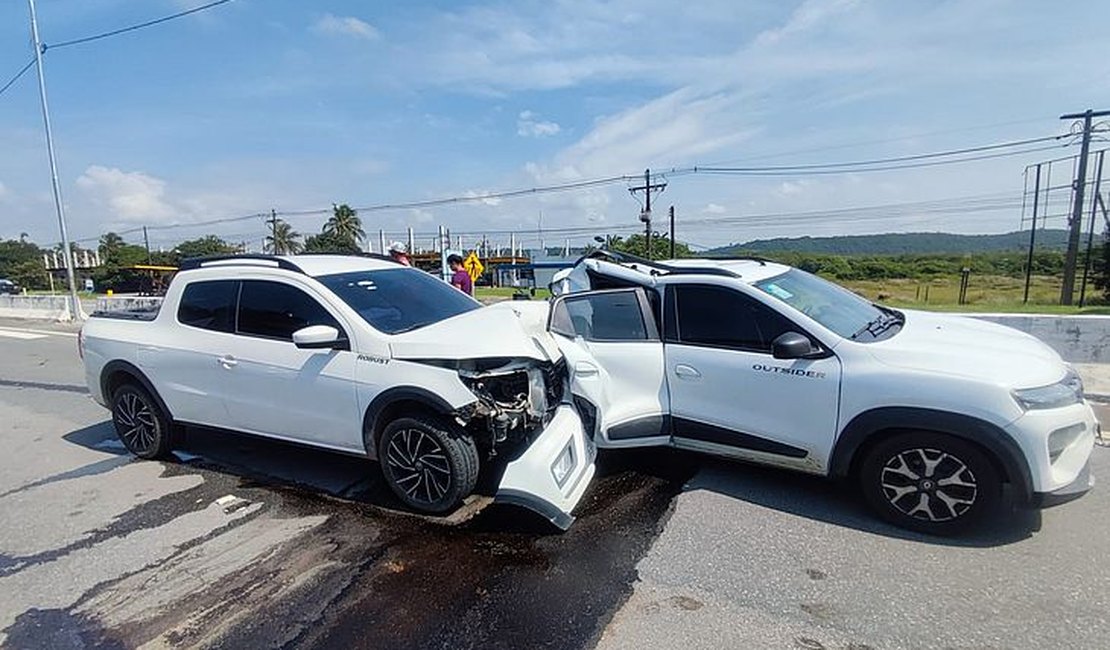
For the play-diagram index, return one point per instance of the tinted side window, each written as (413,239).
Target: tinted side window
(601,317)
(721,317)
(209,305)
(276,310)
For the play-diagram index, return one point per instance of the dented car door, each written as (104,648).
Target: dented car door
(614,357)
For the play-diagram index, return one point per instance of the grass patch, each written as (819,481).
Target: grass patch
(985,293)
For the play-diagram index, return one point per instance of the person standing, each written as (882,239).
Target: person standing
(460,279)
(399,253)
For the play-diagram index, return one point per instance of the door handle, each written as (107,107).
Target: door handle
(684,371)
(227,361)
(585,369)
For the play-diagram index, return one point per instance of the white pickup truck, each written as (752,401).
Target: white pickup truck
(354,354)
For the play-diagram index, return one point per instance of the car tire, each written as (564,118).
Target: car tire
(428,462)
(930,482)
(141,424)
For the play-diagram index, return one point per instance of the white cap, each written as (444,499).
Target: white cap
(397,247)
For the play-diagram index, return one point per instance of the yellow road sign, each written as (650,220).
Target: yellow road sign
(473,266)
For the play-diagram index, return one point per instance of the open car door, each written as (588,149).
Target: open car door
(614,357)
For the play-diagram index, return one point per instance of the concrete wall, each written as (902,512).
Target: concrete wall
(54,308)
(1079,339)
(123,303)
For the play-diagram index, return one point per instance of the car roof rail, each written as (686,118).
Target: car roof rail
(373,256)
(248,259)
(658,268)
(746,258)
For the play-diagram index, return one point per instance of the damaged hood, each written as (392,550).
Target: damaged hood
(516,329)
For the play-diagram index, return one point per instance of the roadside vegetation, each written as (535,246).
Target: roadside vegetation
(996,279)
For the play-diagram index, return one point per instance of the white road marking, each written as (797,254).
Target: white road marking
(6,331)
(21,335)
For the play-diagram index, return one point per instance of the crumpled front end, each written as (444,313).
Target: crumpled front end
(520,414)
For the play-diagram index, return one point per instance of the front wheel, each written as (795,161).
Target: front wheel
(929,482)
(429,463)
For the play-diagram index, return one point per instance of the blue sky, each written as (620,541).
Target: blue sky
(293,105)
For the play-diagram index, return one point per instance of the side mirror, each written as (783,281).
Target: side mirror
(791,345)
(319,337)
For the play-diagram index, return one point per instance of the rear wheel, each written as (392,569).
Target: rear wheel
(429,463)
(929,482)
(141,424)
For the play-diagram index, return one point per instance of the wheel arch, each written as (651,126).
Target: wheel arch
(390,403)
(869,427)
(118,372)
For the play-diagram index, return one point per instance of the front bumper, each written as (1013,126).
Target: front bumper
(1070,492)
(530,480)
(1067,471)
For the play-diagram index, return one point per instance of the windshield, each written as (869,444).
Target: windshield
(833,306)
(399,300)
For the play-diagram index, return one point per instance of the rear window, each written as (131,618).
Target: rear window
(209,305)
(275,310)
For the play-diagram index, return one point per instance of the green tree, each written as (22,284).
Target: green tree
(204,246)
(21,261)
(345,224)
(116,259)
(283,240)
(330,243)
(660,246)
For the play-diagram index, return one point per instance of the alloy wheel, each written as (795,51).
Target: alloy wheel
(136,423)
(419,465)
(928,484)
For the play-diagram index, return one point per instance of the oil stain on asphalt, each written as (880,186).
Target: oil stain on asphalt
(371,576)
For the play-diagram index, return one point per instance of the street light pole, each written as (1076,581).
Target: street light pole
(76,303)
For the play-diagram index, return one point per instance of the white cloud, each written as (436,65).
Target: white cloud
(330,24)
(529,125)
(128,196)
(713,208)
(482,197)
(4,191)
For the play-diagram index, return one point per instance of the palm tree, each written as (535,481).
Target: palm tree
(345,224)
(283,240)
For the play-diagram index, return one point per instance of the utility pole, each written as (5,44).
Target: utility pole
(672,231)
(146,242)
(273,233)
(1091,230)
(647,188)
(1075,222)
(1032,234)
(75,301)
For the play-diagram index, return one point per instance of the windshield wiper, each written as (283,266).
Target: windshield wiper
(879,324)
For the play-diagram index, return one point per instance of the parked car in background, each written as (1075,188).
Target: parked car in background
(354,354)
(8,287)
(748,359)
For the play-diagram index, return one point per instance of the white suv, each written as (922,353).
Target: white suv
(762,362)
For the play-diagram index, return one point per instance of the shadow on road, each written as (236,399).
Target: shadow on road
(261,462)
(841,504)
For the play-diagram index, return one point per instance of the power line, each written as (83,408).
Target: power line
(886,161)
(19,74)
(131,28)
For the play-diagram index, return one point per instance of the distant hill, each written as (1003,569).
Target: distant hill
(898,244)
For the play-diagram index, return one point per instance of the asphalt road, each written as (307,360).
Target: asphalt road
(757,558)
(243,543)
